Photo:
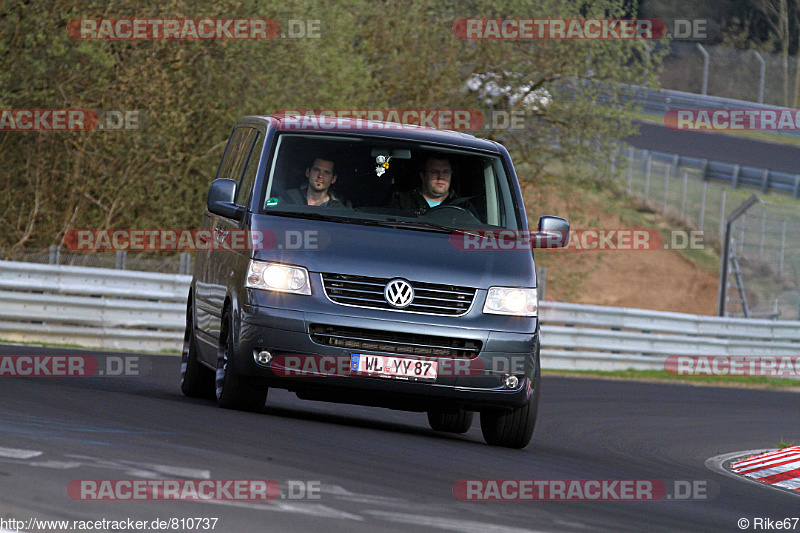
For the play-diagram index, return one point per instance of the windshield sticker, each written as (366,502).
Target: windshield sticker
(272,202)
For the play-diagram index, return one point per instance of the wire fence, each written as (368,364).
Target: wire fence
(765,244)
(732,73)
(764,267)
(176,263)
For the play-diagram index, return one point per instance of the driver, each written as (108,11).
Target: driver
(434,189)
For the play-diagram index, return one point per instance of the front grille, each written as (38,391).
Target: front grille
(429,298)
(369,340)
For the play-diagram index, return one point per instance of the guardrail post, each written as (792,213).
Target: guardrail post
(783,248)
(736,169)
(704,92)
(54,257)
(683,193)
(630,170)
(724,197)
(121,256)
(647,167)
(764,180)
(667,172)
(541,280)
(761,77)
(796,186)
(703,205)
(186,263)
(704,169)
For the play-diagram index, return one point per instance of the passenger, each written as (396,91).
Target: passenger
(321,175)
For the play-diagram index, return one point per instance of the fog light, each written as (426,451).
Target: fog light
(263,357)
(511,382)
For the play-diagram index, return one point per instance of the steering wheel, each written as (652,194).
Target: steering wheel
(450,214)
(443,207)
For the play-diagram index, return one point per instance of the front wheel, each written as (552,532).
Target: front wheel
(233,390)
(511,429)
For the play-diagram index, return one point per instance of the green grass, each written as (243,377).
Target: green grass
(784,444)
(36,343)
(79,347)
(661,375)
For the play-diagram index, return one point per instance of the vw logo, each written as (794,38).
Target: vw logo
(399,293)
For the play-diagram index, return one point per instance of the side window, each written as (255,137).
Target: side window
(249,175)
(236,153)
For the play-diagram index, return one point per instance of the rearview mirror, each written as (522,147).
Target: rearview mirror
(220,199)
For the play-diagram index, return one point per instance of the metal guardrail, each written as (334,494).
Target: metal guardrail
(659,101)
(732,173)
(589,337)
(113,309)
(662,100)
(92,307)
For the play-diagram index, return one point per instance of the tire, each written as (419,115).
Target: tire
(197,381)
(511,429)
(234,391)
(452,422)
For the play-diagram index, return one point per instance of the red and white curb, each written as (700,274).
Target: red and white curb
(779,468)
(775,469)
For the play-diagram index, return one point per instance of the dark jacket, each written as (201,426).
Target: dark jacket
(298,196)
(414,202)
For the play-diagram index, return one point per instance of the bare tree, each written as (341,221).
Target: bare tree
(777,14)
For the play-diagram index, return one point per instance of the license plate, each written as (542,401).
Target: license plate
(383,366)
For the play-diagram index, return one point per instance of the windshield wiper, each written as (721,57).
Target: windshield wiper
(412,224)
(391,223)
(310,215)
(409,224)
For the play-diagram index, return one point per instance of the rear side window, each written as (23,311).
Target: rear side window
(236,153)
(249,175)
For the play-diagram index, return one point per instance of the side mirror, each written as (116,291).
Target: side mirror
(220,199)
(553,232)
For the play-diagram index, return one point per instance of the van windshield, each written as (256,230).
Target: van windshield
(401,183)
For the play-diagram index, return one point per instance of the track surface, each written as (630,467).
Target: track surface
(382,470)
(718,147)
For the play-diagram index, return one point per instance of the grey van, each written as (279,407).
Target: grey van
(379,296)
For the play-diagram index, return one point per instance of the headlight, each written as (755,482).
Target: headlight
(277,277)
(511,301)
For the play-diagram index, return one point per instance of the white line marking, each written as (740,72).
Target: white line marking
(312,509)
(468,526)
(17,453)
(61,465)
(341,493)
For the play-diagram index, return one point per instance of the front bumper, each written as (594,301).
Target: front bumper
(478,383)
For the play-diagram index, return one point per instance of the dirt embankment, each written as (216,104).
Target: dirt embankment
(662,280)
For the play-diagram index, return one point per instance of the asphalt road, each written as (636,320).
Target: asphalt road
(718,147)
(382,470)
